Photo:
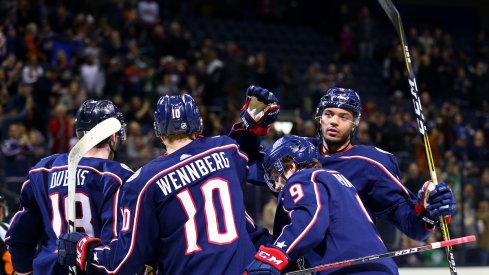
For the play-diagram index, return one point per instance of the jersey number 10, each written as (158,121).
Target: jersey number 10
(214,236)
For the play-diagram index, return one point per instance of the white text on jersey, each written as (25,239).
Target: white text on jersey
(192,172)
(60,178)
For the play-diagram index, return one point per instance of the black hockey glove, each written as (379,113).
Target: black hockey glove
(76,249)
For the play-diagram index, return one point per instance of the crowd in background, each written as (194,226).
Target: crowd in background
(55,54)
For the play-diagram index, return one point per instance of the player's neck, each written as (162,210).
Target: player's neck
(175,145)
(329,149)
(101,153)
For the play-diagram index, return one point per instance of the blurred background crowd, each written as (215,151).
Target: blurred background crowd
(56,54)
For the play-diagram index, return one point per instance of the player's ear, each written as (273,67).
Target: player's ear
(293,167)
(113,138)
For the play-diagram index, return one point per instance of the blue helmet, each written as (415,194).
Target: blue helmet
(177,114)
(299,149)
(341,98)
(92,112)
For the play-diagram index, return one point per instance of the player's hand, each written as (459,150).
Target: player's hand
(76,249)
(260,110)
(268,260)
(436,201)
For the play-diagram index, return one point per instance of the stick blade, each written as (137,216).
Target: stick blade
(391,12)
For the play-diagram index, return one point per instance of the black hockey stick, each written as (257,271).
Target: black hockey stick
(408,251)
(395,18)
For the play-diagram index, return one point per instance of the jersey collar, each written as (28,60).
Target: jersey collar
(324,152)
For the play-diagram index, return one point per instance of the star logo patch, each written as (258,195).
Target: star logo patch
(281,245)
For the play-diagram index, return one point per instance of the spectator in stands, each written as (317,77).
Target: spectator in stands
(60,130)
(482,216)
(92,77)
(17,152)
(477,149)
(366,33)
(32,70)
(348,45)
(414,179)
(468,215)
(148,13)
(482,191)
(60,19)
(480,84)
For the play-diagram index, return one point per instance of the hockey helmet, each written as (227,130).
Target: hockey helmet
(177,114)
(92,112)
(299,149)
(342,98)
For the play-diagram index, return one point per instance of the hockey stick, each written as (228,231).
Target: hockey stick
(395,18)
(93,137)
(392,254)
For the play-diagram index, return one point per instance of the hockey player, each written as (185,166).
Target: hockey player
(186,207)
(328,222)
(375,172)
(41,218)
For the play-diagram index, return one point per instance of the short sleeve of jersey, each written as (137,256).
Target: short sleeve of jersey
(306,203)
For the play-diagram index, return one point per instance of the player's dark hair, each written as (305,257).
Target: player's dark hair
(288,161)
(179,136)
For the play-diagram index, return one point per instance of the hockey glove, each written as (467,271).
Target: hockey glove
(268,260)
(76,249)
(260,111)
(435,201)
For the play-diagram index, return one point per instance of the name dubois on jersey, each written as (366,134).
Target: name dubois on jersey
(192,171)
(60,178)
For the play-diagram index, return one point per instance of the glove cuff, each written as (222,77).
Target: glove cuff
(419,209)
(255,130)
(424,215)
(83,250)
(260,131)
(272,256)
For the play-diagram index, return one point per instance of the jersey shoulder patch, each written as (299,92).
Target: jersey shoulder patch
(135,175)
(123,165)
(382,151)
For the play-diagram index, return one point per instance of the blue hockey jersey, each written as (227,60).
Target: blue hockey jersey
(187,210)
(326,222)
(42,216)
(376,176)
